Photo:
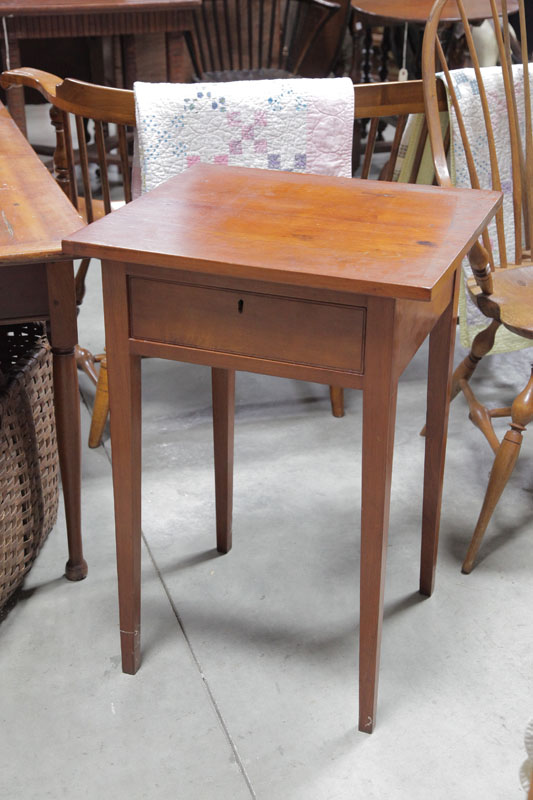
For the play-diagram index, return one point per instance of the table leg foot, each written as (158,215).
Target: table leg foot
(76,570)
(130,644)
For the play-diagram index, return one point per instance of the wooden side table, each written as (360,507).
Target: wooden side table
(37,283)
(327,280)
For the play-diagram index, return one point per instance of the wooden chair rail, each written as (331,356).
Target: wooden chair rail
(117,105)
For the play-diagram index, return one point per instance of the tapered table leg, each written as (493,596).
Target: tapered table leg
(223,385)
(379,414)
(441,348)
(125,418)
(64,335)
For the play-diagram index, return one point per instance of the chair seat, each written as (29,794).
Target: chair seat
(510,302)
(262,74)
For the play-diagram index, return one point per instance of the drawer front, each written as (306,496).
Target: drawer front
(327,335)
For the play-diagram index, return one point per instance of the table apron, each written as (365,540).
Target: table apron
(72,25)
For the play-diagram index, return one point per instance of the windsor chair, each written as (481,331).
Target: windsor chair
(491,121)
(106,106)
(257,39)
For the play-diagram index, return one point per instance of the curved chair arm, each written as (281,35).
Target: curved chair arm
(76,97)
(44,82)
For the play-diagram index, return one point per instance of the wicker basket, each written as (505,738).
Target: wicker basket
(28,452)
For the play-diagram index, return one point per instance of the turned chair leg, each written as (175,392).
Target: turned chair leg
(482,344)
(506,457)
(336,395)
(101,406)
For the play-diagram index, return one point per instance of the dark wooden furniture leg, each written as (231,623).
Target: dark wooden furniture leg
(379,414)
(15,96)
(441,348)
(125,396)
(223,384)
(336,396)
(64,337)
(504,464)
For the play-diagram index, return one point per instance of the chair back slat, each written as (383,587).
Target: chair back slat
(238,24)
(369,150)
(503,41)
(84,164)
(419,153)
(227,30)
(71,165)
(102,163)
(496,181)
(528,155)
(123,148)
(395,148)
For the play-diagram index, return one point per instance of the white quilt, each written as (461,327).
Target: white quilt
(295,125)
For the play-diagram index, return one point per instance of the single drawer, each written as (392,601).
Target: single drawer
(293,330)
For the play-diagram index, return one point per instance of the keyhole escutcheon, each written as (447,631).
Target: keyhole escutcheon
(240,306)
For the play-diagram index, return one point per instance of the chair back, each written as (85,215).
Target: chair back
(243,39)
(491,116)
(106,117)
(103,119)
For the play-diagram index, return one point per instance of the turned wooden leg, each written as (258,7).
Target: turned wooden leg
(85,362)
(63,331)
(223,387)
(125,399)
(336,396)
(101,406)
(506,457)
(480,416)
(482,344)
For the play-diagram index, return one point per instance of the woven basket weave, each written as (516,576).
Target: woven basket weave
(28,452)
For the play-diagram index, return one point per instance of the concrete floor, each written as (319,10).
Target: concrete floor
(248,686)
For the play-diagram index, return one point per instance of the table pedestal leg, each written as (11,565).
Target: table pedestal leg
(125,419)
(441,347)
(379,414)
(64,336)
(223,384)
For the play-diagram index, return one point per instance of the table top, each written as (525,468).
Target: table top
(418,10)
(369,237)
(43,7)
(34,213)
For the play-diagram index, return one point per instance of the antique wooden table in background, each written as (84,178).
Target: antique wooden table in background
(387,12)
(37,283)
(393,13)
(49,19)
(333,281)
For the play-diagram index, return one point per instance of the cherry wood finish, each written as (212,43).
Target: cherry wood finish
(106,105)
(382,12)
(36,282)
(504,291)
(40,19)
(284,242)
